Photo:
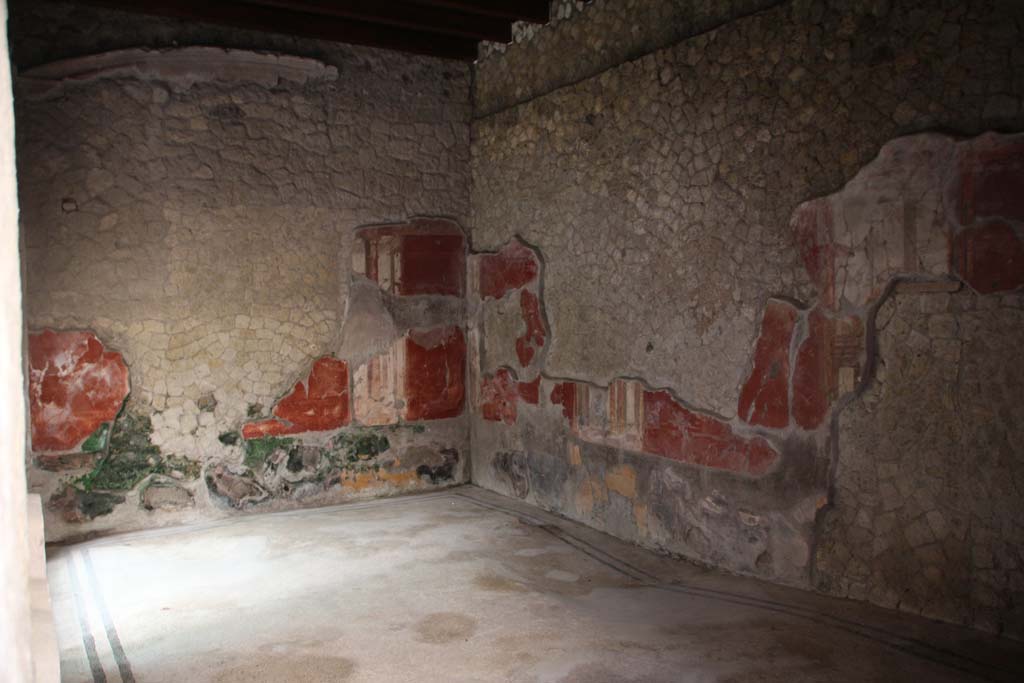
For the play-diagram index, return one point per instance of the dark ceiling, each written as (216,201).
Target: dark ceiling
(443,28)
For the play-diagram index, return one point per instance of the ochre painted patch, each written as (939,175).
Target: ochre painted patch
(621,479)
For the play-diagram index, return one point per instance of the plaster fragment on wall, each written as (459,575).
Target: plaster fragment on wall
(764,399)
(435,363)
(76,387)
(423,256)
(319,404)
(513,267)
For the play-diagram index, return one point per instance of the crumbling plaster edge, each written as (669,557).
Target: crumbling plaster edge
(180,68)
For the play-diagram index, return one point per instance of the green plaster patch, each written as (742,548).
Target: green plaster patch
(119,472)
(361,446)
(94,504)
(131,457)
(97,441)
(258,450)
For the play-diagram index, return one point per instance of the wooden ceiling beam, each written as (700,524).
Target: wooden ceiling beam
(400,14)
(274,20)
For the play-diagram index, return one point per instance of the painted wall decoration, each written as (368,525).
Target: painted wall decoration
(76,389)
(755,492)
(388,419)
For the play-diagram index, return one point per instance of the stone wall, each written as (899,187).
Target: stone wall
(598,34)
(930,481)
(704,325)
(194,213)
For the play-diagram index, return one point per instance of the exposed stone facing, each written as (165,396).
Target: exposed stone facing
(75,388)
(659,192)
(598,34)
(930,477)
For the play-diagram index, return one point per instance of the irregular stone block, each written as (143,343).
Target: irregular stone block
(75,386)
(990,258)
(321,403)
(435,369)
(514,267)
(166,496)
(764,399)
(238,490)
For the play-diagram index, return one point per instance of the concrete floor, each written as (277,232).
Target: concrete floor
(464,585)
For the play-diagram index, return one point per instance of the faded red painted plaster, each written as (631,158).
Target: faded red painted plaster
(319,404)
(435,370)
(423,256)
(990,258)
(532,340)
(673,431)
(432,264)
(564,394)
(813,227)
(813,376)
(501,393)
(992,180)
(764,398)
(498,397)
(514,267)
(529,392)
(75,385)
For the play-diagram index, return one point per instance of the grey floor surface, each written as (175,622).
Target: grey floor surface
(464,585)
